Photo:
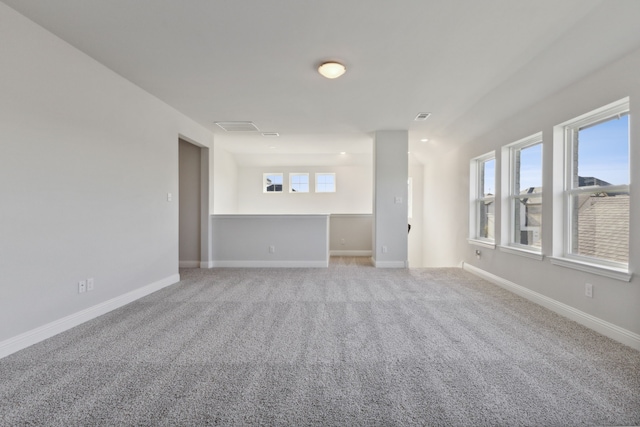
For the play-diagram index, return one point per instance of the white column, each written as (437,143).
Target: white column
(390,174)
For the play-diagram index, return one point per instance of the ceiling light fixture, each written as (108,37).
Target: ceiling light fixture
(332,70)
(424,140)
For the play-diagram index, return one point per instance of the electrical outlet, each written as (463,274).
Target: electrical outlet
(385,249)
(588,290)
(272,249)
(82,286)
(343,242)
(90,284)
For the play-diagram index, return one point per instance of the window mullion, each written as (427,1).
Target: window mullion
(598,189)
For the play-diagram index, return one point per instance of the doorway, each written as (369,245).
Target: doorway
(190,204)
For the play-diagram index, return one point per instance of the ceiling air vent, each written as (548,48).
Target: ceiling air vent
(422,116)
(238,126)
(270,134)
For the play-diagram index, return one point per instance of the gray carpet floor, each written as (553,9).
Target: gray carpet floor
(345,346)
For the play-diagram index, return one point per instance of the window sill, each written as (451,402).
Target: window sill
(611,272)
(522,252)
(482,243)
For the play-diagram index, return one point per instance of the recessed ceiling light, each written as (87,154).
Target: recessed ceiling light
(343,152)
(272,147)
(424,140)
(332,69)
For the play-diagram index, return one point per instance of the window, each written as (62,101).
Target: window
(482,218)
(298,182)
(522,203)
(325,182)
(596,187)
(272,183)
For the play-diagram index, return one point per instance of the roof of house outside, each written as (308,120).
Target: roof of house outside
(587,181)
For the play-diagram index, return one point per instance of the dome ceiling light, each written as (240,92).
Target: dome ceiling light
(332,70)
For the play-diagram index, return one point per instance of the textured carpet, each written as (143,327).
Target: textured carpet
(348,345)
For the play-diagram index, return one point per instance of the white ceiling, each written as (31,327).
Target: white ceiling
(471,63)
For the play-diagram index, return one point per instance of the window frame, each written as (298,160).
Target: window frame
(292,175)
(264,182)
(319,174)
(476,196)
(512,195)
(564,191)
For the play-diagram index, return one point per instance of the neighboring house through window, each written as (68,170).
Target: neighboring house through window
(482,192)
(522,190)
(594,179)
(272,183)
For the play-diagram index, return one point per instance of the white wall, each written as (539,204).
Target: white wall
(353,191)
(446,189)
(225,178)
(86,162)
(391,170)
(447,200)
(270,240)
(416,173)
(351,234)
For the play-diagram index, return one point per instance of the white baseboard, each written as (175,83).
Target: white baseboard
(350,253)
(206,264)
(390,264)
(189,264)
(601,326)
(43,332)
(270,264)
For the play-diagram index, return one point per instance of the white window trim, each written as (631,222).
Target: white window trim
(294,174)
(610,272)
(475,197)
(264,182)
(522,250)
(335,184)
(507,237)
(482,243)
(562,165)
